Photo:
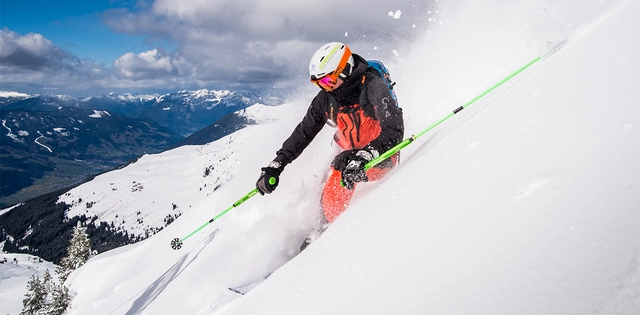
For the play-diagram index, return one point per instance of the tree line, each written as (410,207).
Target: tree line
(40,227)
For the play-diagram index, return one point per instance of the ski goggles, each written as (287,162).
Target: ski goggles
(325,82)
(328,81)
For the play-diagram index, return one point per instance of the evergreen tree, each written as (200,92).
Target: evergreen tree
(35,298)
(58,300)
(46,281)
(78,252)
(48,297)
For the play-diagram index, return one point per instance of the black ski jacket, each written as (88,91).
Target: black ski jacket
(362,108)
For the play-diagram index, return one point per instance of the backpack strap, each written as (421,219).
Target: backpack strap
(334,108)
(368,109)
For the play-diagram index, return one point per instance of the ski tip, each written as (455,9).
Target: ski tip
(176,243)
(236,291)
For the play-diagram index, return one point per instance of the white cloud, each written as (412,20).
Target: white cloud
(149,64)
(30,52)
(222,44)
(312,21)
(251,40)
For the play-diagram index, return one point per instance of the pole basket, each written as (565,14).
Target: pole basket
(176,243)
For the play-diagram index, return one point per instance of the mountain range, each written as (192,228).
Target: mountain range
(184,112)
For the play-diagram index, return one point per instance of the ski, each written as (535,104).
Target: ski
(314,235)
(245,288)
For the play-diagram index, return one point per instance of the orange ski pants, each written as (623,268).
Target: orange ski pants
(336,198)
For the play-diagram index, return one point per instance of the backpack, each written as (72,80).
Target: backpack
(378,68)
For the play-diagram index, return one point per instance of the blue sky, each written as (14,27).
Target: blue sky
(85,48)
(75,26)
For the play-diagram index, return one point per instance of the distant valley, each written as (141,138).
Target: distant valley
(51,142)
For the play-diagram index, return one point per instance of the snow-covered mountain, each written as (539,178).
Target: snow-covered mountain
(125,97)
(184,112)
(37,102)
(222,127)
(120,103)
(526,202)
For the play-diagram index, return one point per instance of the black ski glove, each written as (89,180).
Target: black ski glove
(269,178)
(351,164)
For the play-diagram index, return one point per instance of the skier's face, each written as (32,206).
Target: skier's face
(338,83)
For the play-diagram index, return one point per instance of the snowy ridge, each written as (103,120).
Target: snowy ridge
(525,203)
(3,211)
(99,113)
(155,190)
(127,97)
(203,95)
(133,97)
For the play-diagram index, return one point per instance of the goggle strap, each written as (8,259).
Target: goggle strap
(344,61)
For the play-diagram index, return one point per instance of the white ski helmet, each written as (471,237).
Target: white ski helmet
(333,59)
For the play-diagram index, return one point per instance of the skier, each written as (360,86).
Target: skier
(368,120)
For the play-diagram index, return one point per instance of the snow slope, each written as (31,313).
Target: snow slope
(527,202)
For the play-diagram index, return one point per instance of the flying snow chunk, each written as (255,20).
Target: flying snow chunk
(346,34)
(395,15)
(395,52)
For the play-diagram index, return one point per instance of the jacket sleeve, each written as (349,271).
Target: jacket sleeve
(389,114)
(304,132)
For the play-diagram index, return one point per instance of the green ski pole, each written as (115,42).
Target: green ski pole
(409,140)
(176,243)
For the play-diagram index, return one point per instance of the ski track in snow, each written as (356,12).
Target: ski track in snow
(40,144)
(4,124)
(10,133)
